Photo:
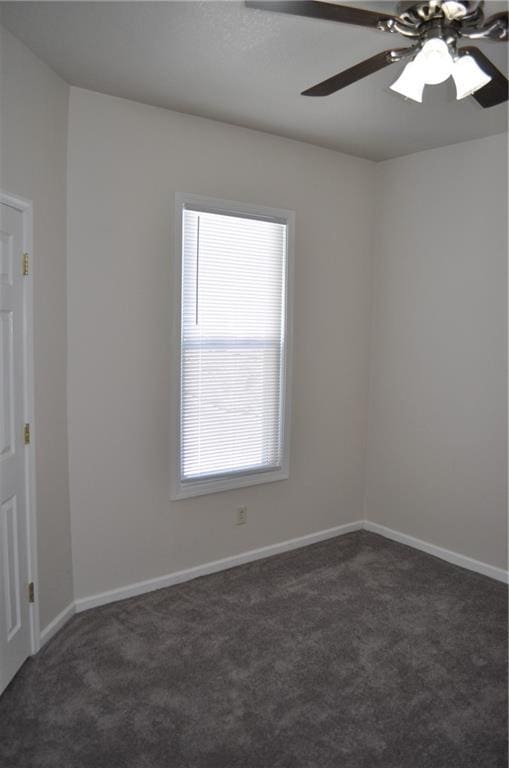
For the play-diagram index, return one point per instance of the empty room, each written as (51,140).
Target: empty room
(253,390)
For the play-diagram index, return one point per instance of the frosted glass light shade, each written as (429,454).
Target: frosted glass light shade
(410,83)
(435,61)
(453,10)
(468,76)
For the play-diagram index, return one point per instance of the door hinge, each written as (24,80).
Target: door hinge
(26,434)
(31,592)
(24,264)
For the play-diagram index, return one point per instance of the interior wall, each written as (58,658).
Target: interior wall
(33,146)
(436,449)
(126,161)
(437,453)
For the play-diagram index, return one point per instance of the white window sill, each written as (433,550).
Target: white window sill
(186,490)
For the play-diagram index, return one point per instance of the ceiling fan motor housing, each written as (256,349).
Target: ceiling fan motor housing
(423,19)
(467,10)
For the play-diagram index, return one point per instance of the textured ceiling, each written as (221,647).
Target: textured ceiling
(243,66)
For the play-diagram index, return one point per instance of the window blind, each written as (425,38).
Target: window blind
(232,345)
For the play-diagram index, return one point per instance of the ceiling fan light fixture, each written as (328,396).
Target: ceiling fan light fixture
(468,76)
(453,10)
(410,83)
(435,61)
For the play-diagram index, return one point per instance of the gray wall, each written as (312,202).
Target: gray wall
(437,460)
(126,161)
(33,140)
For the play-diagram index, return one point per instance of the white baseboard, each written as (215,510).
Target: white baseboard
(141,587)
(57,623)
(444,554)
(131,590)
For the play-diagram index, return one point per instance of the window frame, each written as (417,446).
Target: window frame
(180,489)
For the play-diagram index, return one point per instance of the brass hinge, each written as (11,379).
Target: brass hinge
(31,592)
(26,434)
(24,264)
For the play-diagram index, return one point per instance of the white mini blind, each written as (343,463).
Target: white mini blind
(232,345)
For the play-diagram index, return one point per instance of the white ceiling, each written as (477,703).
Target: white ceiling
(247,67)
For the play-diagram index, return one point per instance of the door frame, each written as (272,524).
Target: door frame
(25,207)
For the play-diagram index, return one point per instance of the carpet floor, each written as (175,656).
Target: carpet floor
(353,653)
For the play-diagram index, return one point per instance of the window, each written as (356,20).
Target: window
(233,329)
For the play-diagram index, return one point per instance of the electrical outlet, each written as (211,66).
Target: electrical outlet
(241,515)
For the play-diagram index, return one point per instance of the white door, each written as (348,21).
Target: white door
(14,606)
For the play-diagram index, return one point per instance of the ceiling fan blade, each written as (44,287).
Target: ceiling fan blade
(320,10)
(357,72)
(496,91)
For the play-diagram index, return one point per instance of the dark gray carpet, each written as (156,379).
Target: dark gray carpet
(353,653)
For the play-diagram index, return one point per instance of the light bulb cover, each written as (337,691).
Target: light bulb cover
(410,83)
(453,10)
(468,76)
(435,61)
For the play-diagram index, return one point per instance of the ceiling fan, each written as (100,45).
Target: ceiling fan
(435,28)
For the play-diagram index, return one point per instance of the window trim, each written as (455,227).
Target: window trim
(185,489)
